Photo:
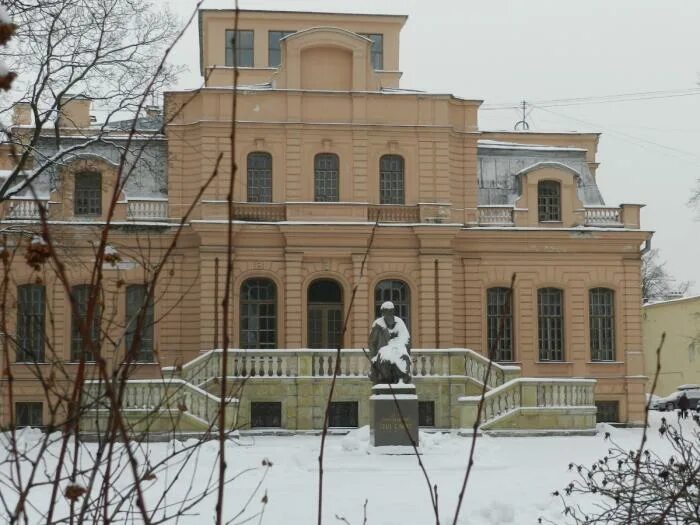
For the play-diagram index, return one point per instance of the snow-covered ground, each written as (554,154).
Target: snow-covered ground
(511,483)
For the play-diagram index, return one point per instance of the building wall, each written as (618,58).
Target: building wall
(679,319)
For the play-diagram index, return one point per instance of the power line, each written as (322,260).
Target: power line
(602,99)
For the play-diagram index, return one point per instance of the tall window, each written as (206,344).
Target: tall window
(326,178)
(548,201)
(139,309)
(325,314)
(499,323)
(87,199)
(398,293)
(79,347)
(377,50)
(259,177)
(602,321)
(274,49)
(31,306)
(551,324)
(391,183)
(258,314)
(241,43)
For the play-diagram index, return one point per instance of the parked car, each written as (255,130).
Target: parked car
(670,402)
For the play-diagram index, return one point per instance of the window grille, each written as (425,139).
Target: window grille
(265,414)
(326,167)
(87,199)
(602,324)
(551,327)
(259,177)
(343,414)
(31,308)
(499,321)
(239,42)
(607,411)
(136,301)
(398,293)
(391,180)
(258,314)
(549,201)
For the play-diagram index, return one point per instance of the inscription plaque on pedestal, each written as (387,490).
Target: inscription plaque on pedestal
(394,415)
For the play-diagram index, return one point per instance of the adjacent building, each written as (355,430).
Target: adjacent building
(350,190)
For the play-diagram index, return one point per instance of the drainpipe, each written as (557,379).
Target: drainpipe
(437,306)
(216,302)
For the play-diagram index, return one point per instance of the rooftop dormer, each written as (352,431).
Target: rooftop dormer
(370,42)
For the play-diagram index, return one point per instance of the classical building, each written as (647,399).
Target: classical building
(350,190)
(679,319)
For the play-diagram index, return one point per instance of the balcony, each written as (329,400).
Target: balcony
(147,209)
(624,216)
(24,208)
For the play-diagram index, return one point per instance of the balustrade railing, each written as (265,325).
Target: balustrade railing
(147,210)
(534,393)
(260,212)
(599,216)
(393,213)
(495,215)
(24,208)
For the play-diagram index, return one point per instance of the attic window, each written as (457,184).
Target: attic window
(241,42)
(87,199)
(549,201)
(377,50)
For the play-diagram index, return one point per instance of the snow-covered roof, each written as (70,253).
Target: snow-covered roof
(670,301)
(500,165)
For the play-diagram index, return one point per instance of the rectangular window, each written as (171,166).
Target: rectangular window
(30,323)
(499,323)
(343,414)
(377,49)
(549,201)
(326,174)
(259,177)
(551,324)
(426,413)
(265,414)
(139,310)
(607,411)
(274,49)
(391,180)
(79,347)
(87,199)
(241,43)
(602,324)
(29,414)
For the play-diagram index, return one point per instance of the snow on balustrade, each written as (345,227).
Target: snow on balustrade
(601,216)
(153,209)
(564,394)
(24,209)
(353,363)
(495,215)
(248,363)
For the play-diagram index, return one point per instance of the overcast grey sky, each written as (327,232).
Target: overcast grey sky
(504,51)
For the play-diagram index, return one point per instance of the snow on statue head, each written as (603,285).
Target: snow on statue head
(389,348)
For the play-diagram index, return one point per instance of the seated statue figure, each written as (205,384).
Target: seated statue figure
(389,349)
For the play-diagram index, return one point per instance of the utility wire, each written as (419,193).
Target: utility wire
(602,99)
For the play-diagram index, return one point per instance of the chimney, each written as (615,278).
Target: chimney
(22,114)
(75,111)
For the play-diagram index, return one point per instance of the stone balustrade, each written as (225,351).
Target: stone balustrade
(147,209)
(603,216)
(496,215)
(259,212)
(354,362)
(572,401)
(393,213)
(26,209)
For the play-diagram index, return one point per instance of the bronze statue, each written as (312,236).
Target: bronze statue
(389,348)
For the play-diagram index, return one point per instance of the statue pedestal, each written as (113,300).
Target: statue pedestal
(394,411)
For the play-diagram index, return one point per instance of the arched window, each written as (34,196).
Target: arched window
(326,178)
(325,314)
(391,180)
(139,309)
(80,348)
(499,323)
(258,313)
(259,177)
(31,308)
(548,201)
(550,306)
(87,197)
(601,303)
(398,293)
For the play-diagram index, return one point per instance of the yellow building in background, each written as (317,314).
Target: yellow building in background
(680,354)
